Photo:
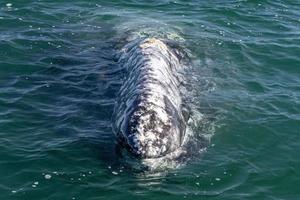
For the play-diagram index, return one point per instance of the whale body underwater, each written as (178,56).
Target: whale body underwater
(150,118)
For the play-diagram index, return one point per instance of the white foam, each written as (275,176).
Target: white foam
(47,176)
(114,173)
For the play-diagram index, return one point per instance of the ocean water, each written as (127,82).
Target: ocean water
(59,78)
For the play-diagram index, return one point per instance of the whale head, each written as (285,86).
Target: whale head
(149,119)
(152,131)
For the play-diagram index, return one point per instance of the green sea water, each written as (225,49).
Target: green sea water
(59,79)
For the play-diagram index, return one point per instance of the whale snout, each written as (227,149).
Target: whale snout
(147,149)
(153,132)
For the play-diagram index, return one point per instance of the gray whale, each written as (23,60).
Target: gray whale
(149,116)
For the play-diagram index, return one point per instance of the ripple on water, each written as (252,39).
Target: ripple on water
(59,79)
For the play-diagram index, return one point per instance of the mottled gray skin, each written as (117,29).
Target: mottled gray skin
(148,116)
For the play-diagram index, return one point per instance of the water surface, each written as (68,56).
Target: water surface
(59,79)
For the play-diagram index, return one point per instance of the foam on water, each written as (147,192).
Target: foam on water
(135,29)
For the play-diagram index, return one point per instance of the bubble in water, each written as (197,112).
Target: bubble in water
(47,176)
(114,173)
(9,4)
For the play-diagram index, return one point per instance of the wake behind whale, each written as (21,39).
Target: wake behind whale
(150,117)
